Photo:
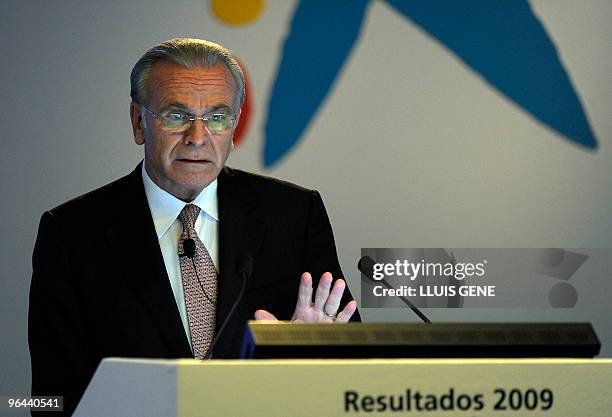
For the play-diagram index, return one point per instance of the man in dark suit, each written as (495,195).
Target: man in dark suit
(112,272)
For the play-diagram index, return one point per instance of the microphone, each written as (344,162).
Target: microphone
(189,248)
(244,268)
(366,266)
(244,265)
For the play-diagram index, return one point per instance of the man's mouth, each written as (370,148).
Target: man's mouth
(193,161)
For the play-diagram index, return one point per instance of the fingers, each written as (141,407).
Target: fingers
(304,292)
(333,301)
(345,315)
(326,302)
(322,291)
(263,315)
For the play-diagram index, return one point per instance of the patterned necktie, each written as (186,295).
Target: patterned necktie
(200,295)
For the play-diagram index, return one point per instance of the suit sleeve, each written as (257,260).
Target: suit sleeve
(320,254)
(55,328)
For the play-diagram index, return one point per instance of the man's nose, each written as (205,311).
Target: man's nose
(198,133)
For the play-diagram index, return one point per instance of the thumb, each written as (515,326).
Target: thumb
(263,315)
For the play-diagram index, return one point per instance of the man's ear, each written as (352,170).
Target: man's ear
(237,118)
(235,126)
(138,123)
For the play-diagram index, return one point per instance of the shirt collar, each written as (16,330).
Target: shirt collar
(165,207)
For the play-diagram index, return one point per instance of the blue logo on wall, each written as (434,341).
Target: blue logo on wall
(504,42)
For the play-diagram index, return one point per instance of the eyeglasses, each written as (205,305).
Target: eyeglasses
(177,122)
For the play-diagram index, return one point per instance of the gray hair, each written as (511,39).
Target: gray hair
(188,53)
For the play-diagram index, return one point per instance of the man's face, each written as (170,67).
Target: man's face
(184,163)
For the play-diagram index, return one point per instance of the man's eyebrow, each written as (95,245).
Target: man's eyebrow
(176,106)
(183,108)
(220,107)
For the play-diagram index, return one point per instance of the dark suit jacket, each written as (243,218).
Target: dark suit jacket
(100,287)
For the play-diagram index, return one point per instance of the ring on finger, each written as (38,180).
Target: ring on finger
(331,316)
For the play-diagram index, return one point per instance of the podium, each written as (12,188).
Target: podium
(338,387)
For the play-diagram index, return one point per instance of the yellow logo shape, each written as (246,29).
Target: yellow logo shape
(237,12)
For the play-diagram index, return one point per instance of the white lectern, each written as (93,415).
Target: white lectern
(427,387)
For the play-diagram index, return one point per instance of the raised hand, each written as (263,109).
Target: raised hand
(326,303)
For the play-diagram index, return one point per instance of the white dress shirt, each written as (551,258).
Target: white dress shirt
(165,209)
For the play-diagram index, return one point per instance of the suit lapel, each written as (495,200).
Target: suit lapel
(134,237)
(240,232)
